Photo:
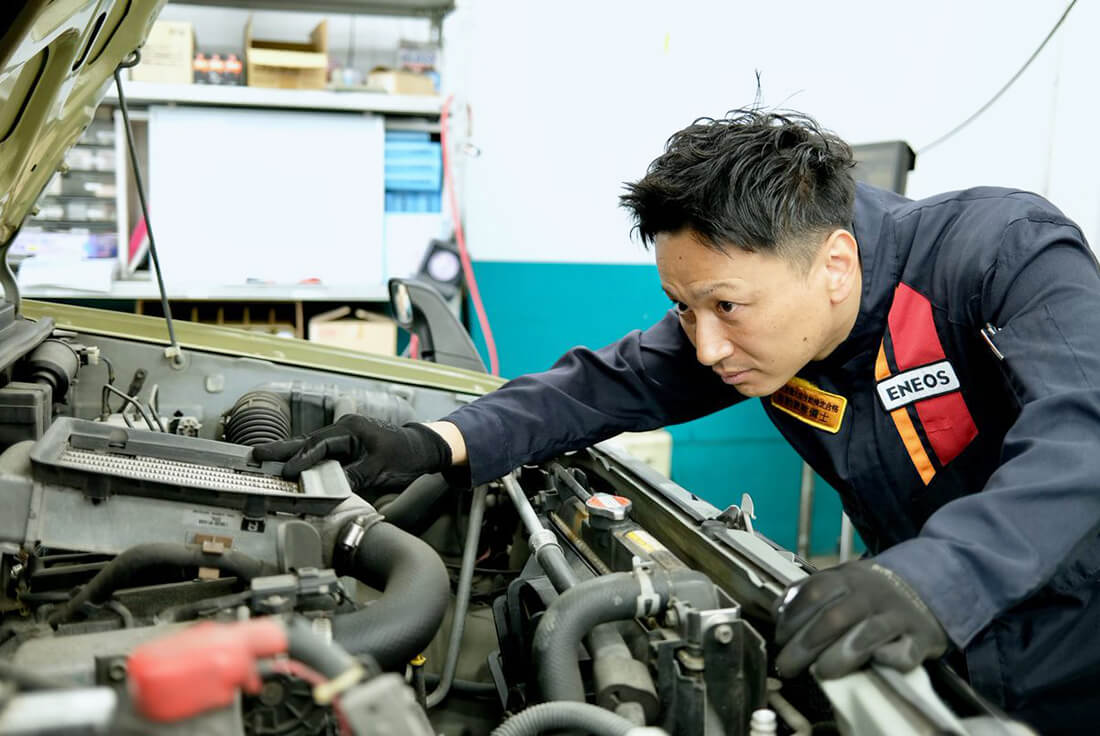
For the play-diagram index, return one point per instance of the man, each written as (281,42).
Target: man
(937,362)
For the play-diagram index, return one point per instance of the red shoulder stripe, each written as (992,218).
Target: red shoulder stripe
(946,420)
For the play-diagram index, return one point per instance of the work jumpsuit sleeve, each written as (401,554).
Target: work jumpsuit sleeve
(647,379)
(981,554)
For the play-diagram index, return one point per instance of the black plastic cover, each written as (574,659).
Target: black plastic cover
(102,460)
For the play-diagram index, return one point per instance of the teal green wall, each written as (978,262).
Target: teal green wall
(537,311)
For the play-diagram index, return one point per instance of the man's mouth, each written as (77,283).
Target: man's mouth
(734,377)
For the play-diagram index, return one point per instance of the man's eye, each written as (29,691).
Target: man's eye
(681,308)
(726,307)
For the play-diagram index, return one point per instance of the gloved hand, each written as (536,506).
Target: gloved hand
(374,454)
(845,616)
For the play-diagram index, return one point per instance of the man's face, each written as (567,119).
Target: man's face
(755,318)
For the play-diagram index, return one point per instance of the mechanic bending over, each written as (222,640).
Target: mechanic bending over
(936,361)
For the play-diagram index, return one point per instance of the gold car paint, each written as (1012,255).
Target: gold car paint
(53,73)
(284,350)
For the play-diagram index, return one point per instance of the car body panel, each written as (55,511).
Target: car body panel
(285,350)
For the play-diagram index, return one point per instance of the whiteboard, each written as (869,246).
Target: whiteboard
(265,195)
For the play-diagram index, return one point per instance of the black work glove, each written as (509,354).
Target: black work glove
(847,615)
(374,454)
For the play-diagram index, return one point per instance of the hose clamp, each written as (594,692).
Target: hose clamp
(648,601)
(541,538)
(356,529)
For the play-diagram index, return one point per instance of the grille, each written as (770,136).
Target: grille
(174,472)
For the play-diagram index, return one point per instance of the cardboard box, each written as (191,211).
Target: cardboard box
(366,332)
(287,65)
(167,54)
(400,82)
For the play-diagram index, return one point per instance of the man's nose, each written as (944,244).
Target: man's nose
(712,345)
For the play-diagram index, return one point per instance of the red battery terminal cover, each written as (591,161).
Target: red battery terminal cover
(202,667)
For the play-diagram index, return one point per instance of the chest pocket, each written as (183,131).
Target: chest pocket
(918,387)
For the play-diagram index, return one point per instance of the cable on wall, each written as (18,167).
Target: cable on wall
(1003,89)
(460,237)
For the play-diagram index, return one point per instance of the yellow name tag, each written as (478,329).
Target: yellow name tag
(807,403)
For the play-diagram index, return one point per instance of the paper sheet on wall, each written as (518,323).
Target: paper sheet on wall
(91,275)
(407,237)
(265,195)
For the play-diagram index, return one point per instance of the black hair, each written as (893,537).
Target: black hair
(760,181)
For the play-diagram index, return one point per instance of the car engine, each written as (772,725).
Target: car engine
(155,579)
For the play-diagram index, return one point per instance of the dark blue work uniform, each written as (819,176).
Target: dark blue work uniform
(959,421)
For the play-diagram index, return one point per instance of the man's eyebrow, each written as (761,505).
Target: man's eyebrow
(714,286)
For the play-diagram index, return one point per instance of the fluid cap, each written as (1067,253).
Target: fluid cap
(607,506)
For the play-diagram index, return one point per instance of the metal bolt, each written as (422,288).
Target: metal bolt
(723,633)
(672,620)
(272,693)
(691,662)
(116,672)
(16,569)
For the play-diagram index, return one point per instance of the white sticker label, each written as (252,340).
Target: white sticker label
(216,519)
(917,384)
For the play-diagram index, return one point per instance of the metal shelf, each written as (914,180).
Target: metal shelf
(243,292)
(96,197)
(46,223)
(262,97)
(406,8)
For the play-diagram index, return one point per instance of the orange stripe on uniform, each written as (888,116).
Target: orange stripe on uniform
(904,424)
(882,370)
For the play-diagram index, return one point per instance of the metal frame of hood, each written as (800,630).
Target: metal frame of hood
(57,58)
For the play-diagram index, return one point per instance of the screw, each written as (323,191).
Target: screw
(116,672)
(272,693)
(672,620)
(723,634)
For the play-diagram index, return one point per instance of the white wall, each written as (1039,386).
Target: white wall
(573,97)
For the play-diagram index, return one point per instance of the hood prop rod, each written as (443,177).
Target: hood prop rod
(173,351)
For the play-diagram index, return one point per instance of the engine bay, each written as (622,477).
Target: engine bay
(141,545)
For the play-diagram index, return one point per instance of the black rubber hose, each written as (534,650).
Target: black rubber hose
(416,501)
(415,588)
(466,687)
(258,417)
(462,597)
(129,566)
(311,649)
(589,719)
(572,615)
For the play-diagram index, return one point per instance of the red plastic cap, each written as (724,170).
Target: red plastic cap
(202,667)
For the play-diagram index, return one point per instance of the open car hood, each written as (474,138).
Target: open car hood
(57,58)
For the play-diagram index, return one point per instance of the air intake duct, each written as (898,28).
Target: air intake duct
(256,418)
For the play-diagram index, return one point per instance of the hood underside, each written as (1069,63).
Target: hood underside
(57,58)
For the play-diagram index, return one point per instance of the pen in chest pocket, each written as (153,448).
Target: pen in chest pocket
(988,333)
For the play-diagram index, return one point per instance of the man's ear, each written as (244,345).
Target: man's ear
(840,261)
